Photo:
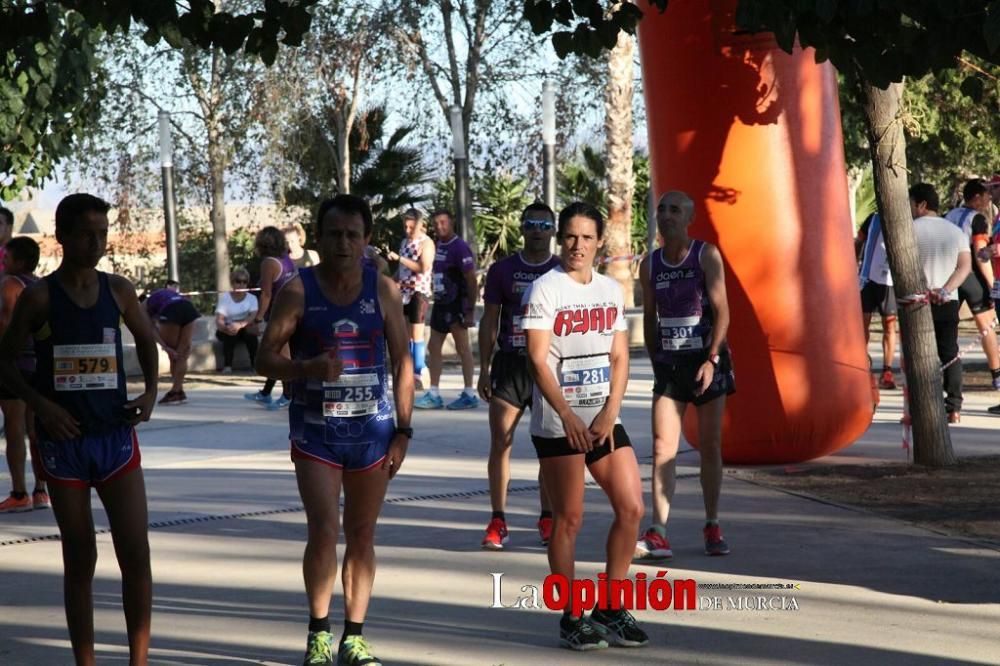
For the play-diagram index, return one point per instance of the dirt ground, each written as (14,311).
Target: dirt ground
(963,499)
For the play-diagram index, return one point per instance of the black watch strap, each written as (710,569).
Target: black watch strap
(406,432)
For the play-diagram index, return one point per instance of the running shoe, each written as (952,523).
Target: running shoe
(545,530)
(257,396)
(319,649)
(887,381)
(580,635)
(995,410)
(429,401)
(355,651)
(652,545)
(280,403)
(227,370)
(418,383)
(496,534)
(619,628)
(40,500)
(14,505)
(464,401)
(996,383)
(173,398)
(954,417)
(714,543)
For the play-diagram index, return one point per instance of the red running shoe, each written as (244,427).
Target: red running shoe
(714,543)
(545,530)
(496,534)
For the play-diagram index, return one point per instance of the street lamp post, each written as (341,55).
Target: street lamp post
(549,148)
(462,216)
(169,208)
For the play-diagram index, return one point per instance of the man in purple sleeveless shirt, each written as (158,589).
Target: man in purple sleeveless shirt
(504,380)
(686,318)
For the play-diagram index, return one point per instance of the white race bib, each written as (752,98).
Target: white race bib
(517,337)
(586,381)
(438,283)
(352,395)
(678,334)
(995,291)
(85,367)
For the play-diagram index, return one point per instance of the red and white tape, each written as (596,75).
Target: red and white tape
(624,257)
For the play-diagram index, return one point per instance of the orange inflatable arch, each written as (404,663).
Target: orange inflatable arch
(753,135)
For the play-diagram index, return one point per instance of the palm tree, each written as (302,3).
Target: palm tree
(619,147)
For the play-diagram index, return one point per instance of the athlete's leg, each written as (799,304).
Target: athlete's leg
(710,448)
(419,348)
(503,421)
(666,417)
(618,475)
(888,340)
(460,335)
(364,493)
(71,507)
(543,493)
(178,368)
(319,488)
(124,501)
(170,333)
(14,424)
(866,318)
(434,361)
(564,481)
(985,322)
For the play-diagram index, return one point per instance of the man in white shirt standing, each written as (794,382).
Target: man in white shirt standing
(947,261)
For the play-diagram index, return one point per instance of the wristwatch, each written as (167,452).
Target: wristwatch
(405,432)
(714,360)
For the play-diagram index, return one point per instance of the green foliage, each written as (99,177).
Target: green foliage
(50,93)
(197,261)
(499,201)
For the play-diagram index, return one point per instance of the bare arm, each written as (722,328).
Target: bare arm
(10,289)
(979,242)
(488,326)
(650,321)
(397,335)
(137,321)
(962,269)
(715,283)
(471,289)
(538,350)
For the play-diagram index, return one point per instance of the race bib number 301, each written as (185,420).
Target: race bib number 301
(585,382)
(84,367)
(352,395)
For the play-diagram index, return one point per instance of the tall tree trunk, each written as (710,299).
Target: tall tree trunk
(931,440)
(217,172)
(619,148)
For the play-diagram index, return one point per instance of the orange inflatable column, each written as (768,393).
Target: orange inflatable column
(753,135)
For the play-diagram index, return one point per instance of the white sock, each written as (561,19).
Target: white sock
(469,391)
(434,391)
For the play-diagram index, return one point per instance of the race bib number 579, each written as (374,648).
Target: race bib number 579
(85,367)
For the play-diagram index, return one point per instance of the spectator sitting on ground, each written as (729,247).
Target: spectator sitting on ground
(234,319)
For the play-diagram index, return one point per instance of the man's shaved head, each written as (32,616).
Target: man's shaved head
(678,199)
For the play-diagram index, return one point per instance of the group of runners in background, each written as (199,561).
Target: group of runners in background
(553,337)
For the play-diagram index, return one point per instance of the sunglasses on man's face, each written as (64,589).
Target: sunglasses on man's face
(540,225)
(240,282)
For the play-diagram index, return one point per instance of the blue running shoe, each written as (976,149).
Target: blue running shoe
(257,396)
(278,404)
(464,401)
(429,401)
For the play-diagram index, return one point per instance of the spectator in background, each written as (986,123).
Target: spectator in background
(295,237)
(17,272)
(234,319)
(416,260)
(173,317)
(876,291)
(276,269)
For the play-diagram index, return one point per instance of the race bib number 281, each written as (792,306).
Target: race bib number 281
(585,382)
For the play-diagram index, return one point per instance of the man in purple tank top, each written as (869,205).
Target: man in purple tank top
(504,380)
(686,317)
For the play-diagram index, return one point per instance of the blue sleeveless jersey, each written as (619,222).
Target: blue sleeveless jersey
(79,363)
(356,408)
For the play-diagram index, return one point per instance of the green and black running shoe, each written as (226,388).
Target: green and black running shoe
(619,627)
(319,649)
(579,634)
(355,651)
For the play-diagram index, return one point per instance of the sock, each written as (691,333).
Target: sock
(18,495)
(351,629)
(711,522)
(319,624)
(469,391)
(995,373)
(568,620)
(268,387)
(545,514)
(499,514)
(419,356)
(659,529)
(434,392)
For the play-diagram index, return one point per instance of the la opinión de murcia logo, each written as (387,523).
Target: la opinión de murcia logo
(643,592)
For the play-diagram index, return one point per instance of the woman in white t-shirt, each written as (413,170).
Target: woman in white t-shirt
(574,320)
(234,319)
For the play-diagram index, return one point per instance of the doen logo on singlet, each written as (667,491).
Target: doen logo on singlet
(584,320)
(679,274)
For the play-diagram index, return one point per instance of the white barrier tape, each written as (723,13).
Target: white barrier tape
(207,293)
(624,257)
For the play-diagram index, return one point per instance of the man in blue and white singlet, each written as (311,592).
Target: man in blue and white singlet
(685,321)
(84,420)
(339,318)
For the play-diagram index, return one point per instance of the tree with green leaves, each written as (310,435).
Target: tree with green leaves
(51,80)
(875,46)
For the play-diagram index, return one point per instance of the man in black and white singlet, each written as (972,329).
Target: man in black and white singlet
(574,321)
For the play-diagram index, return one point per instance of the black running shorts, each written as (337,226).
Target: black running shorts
(550,447)
(510,379)
(181,313)
(675,379)
(878,298)
(976,293)
(416,310)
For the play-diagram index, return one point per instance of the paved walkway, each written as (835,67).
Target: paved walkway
(228,534)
